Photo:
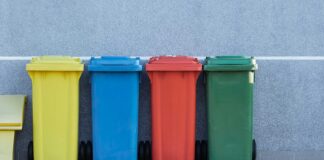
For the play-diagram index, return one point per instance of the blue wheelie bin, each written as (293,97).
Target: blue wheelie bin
(115,100)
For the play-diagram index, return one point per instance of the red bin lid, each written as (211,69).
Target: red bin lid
(173,63)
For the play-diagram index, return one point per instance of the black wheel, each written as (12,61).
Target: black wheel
(198,150)
(147,150)
(30,151)
(254,150)
(204,150)
(140,155)
(82,152)
(88,151)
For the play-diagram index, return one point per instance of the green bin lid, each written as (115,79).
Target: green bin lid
(55,63)
(230,63)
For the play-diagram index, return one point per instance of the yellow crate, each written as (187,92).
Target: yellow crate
(11,120)
(55,85)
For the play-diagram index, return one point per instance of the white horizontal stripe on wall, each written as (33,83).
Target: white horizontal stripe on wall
(271,58)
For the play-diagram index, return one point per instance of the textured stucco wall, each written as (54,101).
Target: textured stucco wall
(146,27)
(289,96)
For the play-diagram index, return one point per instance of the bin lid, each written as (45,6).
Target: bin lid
(173,63)
(114,63)
(55,63)
(230,63)
(12,111)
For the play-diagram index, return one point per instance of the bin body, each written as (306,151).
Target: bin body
(115,101)
(173,104)
(11,120)
(55,91)
(229,107)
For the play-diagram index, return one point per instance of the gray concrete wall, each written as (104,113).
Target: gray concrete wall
(146,27)
(289,98)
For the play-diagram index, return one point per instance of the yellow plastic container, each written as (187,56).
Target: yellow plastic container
(55,81)
(11,120)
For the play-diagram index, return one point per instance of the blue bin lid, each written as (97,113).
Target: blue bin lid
(114,63)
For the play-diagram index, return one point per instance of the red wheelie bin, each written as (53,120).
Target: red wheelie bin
(173,103)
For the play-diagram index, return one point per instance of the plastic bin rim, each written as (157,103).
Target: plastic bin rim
(231,67)
(114,60)
(230,60)
(55,63)
(15,104)
(230,63)
(55,60)
(114,63)
(129,68)
(54,67)
(173,63)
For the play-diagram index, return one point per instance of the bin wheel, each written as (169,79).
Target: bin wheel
(82,151)
(147,150)
(30,151)
(140,155)
(198,150)
(254,150)
(204,150)
(88,151)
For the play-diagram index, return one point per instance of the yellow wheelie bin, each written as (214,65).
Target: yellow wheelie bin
(11,120)
(55,85)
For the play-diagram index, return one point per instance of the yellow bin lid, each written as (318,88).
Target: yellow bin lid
(55,63)
(12,111)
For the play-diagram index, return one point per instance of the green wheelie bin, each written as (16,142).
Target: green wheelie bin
(230,82)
